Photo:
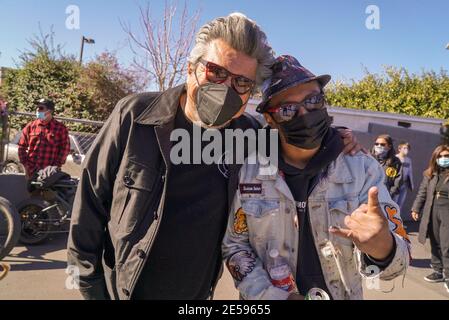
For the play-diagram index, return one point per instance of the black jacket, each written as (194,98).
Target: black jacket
(119,203)
(393,175)
(424,203)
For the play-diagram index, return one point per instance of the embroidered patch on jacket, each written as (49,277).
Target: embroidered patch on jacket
(240,225)
(240,264)
(250,188)
(399,227)
(391,172)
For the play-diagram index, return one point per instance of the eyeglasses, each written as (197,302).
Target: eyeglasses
(288,111)
(218,74)
(443,156)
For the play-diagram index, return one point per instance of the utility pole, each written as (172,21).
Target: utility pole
(84,40)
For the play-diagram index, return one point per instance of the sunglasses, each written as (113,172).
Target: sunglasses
(380,144)
(218,74)
(288,111)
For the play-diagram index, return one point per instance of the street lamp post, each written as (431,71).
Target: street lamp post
(84,40)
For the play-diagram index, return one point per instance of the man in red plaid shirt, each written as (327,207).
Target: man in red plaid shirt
(45,141)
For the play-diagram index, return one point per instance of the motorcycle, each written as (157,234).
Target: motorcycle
(49,208)
(9,227)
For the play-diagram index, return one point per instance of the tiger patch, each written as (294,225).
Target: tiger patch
(240,225)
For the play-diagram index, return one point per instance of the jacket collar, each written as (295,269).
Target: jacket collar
(267,171)
(46,124)
(163,109)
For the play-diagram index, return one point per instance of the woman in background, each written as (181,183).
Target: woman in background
(407,173)
(383,151)
(432,203)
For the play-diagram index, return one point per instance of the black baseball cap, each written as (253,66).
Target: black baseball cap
(50,105)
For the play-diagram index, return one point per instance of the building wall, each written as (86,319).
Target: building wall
(360,120)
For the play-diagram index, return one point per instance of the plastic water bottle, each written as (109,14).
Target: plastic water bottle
(280,273)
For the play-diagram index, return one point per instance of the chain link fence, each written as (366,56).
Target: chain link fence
(82,133)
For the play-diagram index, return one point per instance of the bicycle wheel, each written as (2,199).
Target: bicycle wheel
(35,226)
(9,227)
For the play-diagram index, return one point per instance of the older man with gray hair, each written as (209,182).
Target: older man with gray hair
(144,227)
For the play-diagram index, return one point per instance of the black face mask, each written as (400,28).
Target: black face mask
(217,103)
(307,131)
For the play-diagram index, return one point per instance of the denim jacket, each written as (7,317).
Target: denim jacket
(263,217)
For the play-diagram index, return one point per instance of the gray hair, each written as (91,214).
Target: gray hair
(243,35)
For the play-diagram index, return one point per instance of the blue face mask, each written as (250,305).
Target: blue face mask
(443,162)
(40,115)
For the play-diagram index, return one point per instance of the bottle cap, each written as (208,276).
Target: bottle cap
(274,253)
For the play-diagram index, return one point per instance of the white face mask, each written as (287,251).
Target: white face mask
(380,150)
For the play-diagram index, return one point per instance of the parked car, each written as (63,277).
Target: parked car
(80,143)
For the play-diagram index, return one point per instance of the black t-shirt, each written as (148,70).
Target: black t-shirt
(187,250)
(301,183)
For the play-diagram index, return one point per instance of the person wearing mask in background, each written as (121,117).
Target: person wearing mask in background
(432,206)
(407,173)
(44,141)
(313,211)
(383,151)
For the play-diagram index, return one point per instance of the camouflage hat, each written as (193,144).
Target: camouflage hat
(287,73)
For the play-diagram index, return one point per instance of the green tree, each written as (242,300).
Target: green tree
(396,90)
(44,70)
(105,82)
(43,76)
(86,92)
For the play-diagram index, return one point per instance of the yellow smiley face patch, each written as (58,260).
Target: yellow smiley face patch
(391,172)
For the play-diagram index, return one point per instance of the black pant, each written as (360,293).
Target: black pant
(439,239)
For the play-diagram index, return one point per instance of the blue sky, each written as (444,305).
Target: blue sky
(328,36)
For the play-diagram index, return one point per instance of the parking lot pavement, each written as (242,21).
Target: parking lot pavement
(415,288)
(38,272)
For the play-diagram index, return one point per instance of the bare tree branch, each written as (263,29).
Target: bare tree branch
(162,50)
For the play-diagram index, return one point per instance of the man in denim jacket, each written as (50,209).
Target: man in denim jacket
(328,215)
